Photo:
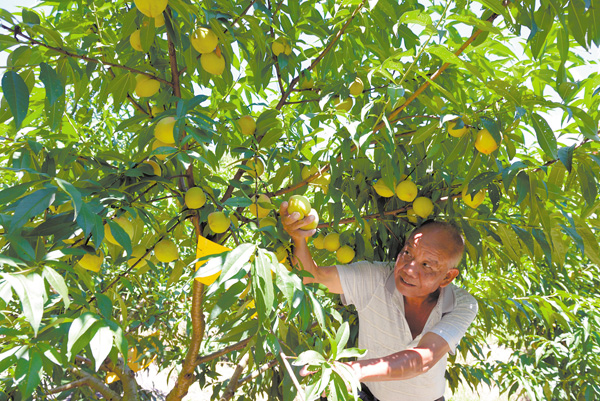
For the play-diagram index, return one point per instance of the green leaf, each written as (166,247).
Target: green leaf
(545,135)
(525,237)
(32,375)
(91,223)
(262,285)
(239,201)
(119,337)
(232,262)
(587,125)
(565,155)
(22,247)
(73,193)
(30,18)
(31,206)
(17,95)
(31,292)
(147,35)
(271,138)
(576,21)
(415,17)
(120,86)
(101,345)
(53,85)
(350,203)
(267,121)
(476,22)
(540,237)
(10,194)
(227,300)
(342,336)
(317,309)
(55,113)
(424,133)
(57,282)
(352,353)
(309,357)
(593,33)
(80,327)
(448,57)
(120,236)
(522,187)
(589,187)
(494,6)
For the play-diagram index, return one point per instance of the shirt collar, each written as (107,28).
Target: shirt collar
(445,301)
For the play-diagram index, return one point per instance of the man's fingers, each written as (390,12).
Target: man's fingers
(290,219)
(283,209)
(300,223)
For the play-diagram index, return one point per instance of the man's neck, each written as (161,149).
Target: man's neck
(420,302)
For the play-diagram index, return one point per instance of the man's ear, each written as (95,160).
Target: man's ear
(450,276)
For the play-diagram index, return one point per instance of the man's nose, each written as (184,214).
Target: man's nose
(409,266)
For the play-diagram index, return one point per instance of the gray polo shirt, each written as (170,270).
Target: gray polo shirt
(383,329)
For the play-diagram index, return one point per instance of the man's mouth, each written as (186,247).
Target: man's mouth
(405,282)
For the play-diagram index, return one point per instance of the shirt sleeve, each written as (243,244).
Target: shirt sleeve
(454,324)
(360,280)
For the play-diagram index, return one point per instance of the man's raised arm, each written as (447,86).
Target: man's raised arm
(328,276)
(405,364)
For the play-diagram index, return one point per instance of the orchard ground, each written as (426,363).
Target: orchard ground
(159,383)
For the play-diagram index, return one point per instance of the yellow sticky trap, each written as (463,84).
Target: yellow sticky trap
(111,377)
(205,248)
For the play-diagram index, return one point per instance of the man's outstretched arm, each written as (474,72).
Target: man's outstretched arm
(405,364)
(328,276)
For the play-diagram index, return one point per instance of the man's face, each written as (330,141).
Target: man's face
(425,263)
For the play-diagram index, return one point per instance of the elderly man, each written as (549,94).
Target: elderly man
(410,316)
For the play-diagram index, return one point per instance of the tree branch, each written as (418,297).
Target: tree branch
(18,32)
(433,77)
(239,173)
(235,347)
(97,385)
(292,375)
(319,57)
(127,376)
(234,381)
(186,376)
(258,372)
(69,386)
(378,216)
(173,62)
(390,117)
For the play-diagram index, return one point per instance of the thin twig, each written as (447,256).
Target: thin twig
(69,386)
(235,347)
(390,118)
(320,56)
(97,385)
(258,372)
(173,62)
(234,381)
(292,375)
(433,77)
(18,32)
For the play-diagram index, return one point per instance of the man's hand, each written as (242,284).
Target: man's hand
(292,224)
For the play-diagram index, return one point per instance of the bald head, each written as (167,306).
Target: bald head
(450,237)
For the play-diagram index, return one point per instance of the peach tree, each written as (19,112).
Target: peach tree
(146,147)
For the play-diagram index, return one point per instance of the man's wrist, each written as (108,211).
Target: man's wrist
(355,366)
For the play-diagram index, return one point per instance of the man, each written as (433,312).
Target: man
(409,317)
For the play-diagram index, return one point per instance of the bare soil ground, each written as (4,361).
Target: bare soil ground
(161,382)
